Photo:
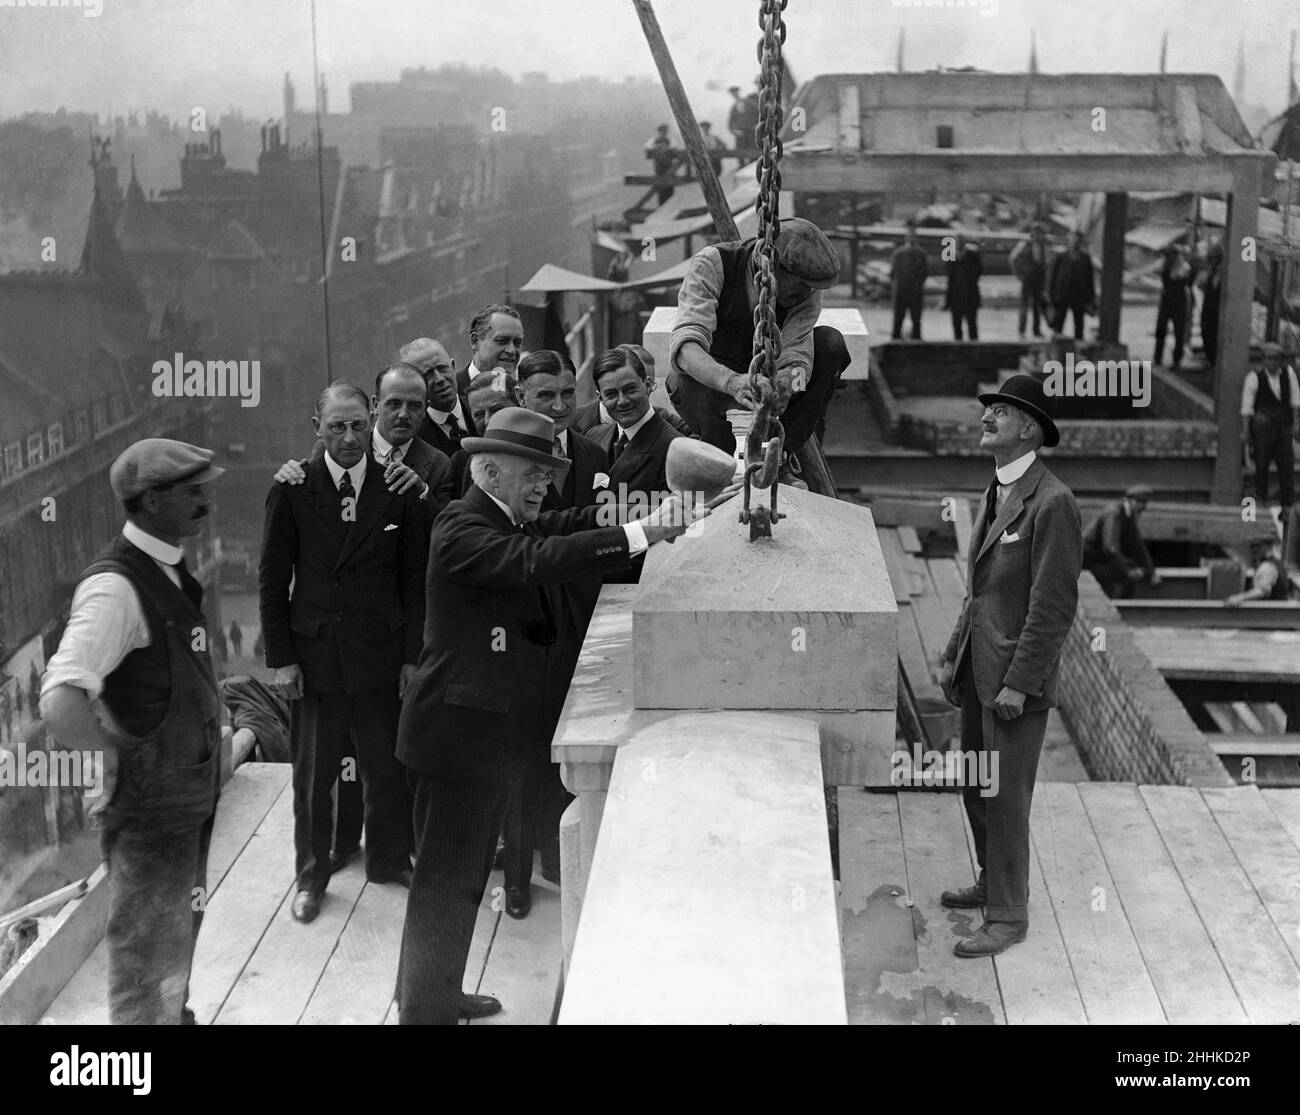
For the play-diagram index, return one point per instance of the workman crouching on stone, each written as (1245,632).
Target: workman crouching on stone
(713,338)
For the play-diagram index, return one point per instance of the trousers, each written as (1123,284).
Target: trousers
(1000,822)
(706,409)
(319,728)
(157,890)
(456,827)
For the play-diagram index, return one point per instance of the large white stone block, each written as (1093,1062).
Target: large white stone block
(805,619)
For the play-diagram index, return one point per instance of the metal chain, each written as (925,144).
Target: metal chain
(763,453)
(767,138)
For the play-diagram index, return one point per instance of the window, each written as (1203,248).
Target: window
(81,425)
(35,450)
(55,437)
(13,458)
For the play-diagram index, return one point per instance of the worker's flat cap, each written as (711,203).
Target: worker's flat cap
(159,460)
(1140,491)
(804,251)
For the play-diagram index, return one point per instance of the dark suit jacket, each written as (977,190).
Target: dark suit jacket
(586,417)
(577,488)
(430,466)
(356,612)
(1021,594)
(432,434)
(641,466)
(485,694)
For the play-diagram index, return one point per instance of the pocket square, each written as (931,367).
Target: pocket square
(600,480)
(1007,536)
(391,526)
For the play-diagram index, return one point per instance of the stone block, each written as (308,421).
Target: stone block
(711,899)
(805,619)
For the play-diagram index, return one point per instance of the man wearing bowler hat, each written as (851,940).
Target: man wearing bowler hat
(712,340)
(1002,662)
(132,680)
(480,707)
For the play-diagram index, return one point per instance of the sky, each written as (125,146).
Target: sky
(175,55)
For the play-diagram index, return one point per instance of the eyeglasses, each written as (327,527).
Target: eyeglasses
(338,429)
(998,410)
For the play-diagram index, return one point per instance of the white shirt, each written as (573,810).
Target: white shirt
(385,452)
(1250,388)
(636,539)
(106,622)
(1009,474)
(441,417)
(635,428)
(563,437)
(357,472)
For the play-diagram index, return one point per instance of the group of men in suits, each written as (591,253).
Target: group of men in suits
(342,592)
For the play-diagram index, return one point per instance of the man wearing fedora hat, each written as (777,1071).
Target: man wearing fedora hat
(712,340)
(480,707)
(1002,662)
(132,680)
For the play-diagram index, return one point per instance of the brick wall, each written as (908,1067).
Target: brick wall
(1125,720)
(1092,438)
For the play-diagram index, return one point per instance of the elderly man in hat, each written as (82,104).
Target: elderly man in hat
(713,337)
(480,709)
(1002,662)
(1270,396)
(1113,549)
(132,680)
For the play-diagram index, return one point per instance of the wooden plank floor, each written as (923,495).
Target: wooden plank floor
(255,964)
(1147,904)
(1159,904)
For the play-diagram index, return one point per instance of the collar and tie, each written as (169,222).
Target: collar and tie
(620,443)
(189,585)
(455,430)
(559,448)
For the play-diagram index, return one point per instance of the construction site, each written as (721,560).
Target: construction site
(768,771)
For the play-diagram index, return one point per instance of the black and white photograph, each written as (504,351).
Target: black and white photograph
(651,513)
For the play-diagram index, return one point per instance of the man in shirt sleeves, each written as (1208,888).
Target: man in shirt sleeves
(128,682)
(479,706)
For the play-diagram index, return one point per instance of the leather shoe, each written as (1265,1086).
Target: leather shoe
(402,878)
(478,1006)
(340,859)
(551,874)
(518,902)
(992,938)
(305,907)
(968,898)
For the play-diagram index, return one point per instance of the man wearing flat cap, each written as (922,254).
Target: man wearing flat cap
(480,707)
(1113,549)
(133,681)
(1002,662)
(713,337)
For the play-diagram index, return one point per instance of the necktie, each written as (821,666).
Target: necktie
(347,492)
(189,585)
(991,510)
(559,448)
(619,445)
(455,430)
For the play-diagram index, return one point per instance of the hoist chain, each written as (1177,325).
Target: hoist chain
(763,453)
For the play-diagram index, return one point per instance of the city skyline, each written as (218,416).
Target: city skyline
(139,55)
